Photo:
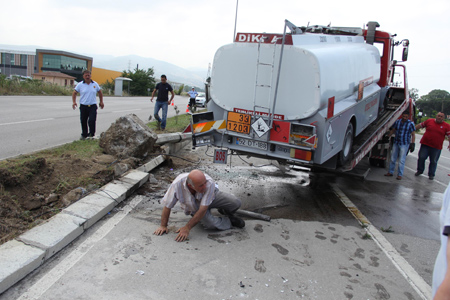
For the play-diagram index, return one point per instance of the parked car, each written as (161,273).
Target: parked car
(201,99)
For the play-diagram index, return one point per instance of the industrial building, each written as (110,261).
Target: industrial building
(58,67)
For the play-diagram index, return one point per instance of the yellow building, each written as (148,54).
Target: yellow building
(102,75)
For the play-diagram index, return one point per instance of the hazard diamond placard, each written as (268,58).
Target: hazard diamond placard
(260,127)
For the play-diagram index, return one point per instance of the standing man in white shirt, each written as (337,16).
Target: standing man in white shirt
(192,94)
(198,193)
(88,90)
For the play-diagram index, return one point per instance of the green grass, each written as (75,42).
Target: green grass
(174,124)
(25,166)
(32,87)
(81,149)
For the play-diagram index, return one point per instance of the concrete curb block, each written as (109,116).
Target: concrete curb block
(17,260)
(92,208)
(54,234)
(20,257)
(152,164)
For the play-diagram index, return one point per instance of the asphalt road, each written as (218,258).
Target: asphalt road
(313,248)
(31,123)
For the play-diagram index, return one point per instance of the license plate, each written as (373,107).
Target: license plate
(251,143)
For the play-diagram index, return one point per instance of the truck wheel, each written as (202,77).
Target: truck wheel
(344,155)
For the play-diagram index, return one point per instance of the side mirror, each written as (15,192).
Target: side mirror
(405,50)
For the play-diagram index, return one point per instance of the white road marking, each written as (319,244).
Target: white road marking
(23,122)
(39,288)
(408,272)
(119,111)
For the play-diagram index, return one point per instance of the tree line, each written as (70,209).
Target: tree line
(433,102)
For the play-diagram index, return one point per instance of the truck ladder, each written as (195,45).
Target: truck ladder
(293,29)
(266,86)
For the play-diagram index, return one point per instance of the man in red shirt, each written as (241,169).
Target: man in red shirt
(431,143)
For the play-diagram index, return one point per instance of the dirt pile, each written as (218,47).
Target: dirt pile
(36,192)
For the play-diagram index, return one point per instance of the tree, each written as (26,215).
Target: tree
(414,94)
(143,81)
(108,87)
(180,89)
(434,102)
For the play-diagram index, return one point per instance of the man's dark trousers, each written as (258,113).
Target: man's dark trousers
(88,116)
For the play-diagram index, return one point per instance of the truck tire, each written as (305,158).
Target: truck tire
(345,154)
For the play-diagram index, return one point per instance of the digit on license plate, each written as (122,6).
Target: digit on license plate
(251,143)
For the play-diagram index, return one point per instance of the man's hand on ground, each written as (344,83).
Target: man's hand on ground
(183,233)
(161,230)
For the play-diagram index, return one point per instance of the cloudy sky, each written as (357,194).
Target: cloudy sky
(187,33)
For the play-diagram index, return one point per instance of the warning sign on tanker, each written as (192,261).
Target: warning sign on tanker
(238,122)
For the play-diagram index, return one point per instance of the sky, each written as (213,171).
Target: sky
(187,33)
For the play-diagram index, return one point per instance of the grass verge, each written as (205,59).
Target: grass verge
(33,187)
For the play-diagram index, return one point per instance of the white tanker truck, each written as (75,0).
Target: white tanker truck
(318,96)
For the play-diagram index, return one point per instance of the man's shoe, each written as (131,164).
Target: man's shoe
(431,177)
(237,222)
(82,138)
(158,124)
(388,174)
(399,177)
(418,173)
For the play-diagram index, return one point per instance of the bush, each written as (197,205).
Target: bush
(18,86)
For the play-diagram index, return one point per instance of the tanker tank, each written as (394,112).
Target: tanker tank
(314,68)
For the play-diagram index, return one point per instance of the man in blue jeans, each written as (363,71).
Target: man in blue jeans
(162,101)
(431,143)
(404,140)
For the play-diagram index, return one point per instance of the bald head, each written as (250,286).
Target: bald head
(197,181)
(440,117)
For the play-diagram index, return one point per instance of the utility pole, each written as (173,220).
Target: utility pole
(235,19)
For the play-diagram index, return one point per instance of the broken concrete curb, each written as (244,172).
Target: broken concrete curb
(30,250)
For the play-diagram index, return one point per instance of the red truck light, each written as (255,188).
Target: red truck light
(301,154)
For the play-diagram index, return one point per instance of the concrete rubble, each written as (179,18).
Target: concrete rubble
(129,136)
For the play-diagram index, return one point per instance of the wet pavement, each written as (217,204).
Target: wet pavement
(313,248)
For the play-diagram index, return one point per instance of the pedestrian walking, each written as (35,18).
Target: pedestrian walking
(88,90)
(431,143)
(404,141)
(162,101)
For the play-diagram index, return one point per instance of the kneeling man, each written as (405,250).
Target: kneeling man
(198,193)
